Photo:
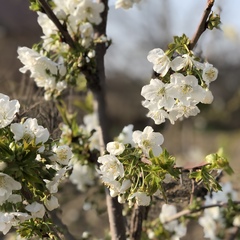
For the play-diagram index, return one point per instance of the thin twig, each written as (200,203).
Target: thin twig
(192,189)
(188,211)
(63,30)
(202,25)
(64,229)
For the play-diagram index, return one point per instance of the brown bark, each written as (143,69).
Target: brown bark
(96,83)
(202,25)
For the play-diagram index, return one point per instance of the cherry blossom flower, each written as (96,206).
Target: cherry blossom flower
(51,203)
(8,110)
(52,185)
(7,185)
(174,226)
(126,135)
(180,110)
(115,148)
(209,226)
(62,155)
(142,199)
(212,217)
(148,139)
(111,167)
(90,11)
(46,73)
(36,209)
(161,62)
(7,220)
(209,73)
(82,176)
(236,221)
(157,91)
(181,62)
(125,4)
(91,124)
(30,131)
(186,89)
(157,114)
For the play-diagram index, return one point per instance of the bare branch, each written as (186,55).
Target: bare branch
(188,211)
(139,214)
(202,25)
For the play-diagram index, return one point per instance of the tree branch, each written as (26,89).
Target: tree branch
(62,29)
(188,211)
(116,219)
(96,83)
(202,25)
(139,214)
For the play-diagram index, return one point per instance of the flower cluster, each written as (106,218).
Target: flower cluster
(79,18)
(176,229)
(182,84)
(135,165)
(84,141)
(31,168)
(46,73)
(213,220)
(47,60)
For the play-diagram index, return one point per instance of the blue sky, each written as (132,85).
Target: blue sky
(128,28)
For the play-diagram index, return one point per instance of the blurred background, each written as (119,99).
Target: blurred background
(148,25)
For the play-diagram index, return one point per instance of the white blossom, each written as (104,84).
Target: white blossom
(180,110)
(174,226)
(86,30)
(209,73)
(8,110)
(181,62)
(51,203)
(82,176)
(142,199)
(52,185)
(212,217)
(208,97)
(121,199)
(125,4)
(110,168)
(91,125)
(46,73)
(157,92)
(161,62)
(126,184)
(115,148)
(62,154)
(147,140)
(7,185)
(15,198)
(236,221)
(209,226)
(7,220)
(30,131)
(126,135)
(90,11)
(186,89)
(113,187)
(36,209)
